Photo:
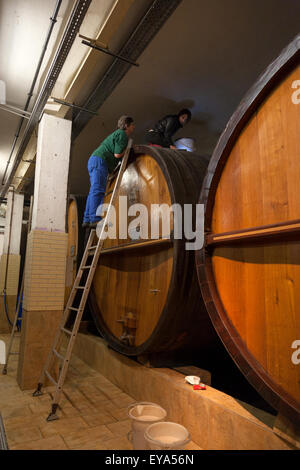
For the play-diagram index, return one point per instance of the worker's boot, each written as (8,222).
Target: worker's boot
(93,224)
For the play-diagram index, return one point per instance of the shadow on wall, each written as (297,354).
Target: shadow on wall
(198,128)
(99,127)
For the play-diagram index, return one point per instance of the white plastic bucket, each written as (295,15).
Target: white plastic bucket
(142,414)
(186,144)
(166,435)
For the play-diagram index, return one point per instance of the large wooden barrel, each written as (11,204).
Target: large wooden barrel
(145,297)
(75,210)
(249,270)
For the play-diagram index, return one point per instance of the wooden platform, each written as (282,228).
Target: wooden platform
(102,383)
(215,420)
(92,414)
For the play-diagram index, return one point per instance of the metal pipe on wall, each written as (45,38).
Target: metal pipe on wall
(151,22)
(72,28)
(9,240)
(30,94)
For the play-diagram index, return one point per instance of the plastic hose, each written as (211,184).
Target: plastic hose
(5,308)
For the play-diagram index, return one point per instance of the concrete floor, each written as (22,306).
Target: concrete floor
(92,412)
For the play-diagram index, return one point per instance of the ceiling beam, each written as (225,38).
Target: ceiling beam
(74,23)
(112,23)
(149,25)
(109,28)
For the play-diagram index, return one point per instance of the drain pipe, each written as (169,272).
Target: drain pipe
(30,94)
(7,256)
(70,33)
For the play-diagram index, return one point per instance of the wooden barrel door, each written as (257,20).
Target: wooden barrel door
(75,232)
(249,271)
(145,297)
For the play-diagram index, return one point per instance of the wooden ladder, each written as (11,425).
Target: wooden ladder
(81,291)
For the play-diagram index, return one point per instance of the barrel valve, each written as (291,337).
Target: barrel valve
(129,328)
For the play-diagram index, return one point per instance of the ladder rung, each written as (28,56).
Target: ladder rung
(50,377)
(67,331)
(57,354)
(88,253)
(14,353)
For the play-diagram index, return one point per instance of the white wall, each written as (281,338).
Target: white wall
(51,174)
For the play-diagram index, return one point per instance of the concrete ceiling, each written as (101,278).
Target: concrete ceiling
(23,28)
(206,57)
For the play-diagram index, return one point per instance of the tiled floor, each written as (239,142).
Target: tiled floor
(92,412)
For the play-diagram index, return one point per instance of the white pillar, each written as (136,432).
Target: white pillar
(51,174)
(45,269)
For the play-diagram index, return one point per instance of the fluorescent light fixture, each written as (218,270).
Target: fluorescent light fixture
(2,92)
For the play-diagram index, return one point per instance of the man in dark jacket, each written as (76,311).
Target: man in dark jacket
(161,134)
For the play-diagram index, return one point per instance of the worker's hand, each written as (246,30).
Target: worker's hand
(173,147)
(119,155)
(116,169)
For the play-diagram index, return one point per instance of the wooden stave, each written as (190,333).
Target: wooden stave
(167,334)
(80,202)
(272,392)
